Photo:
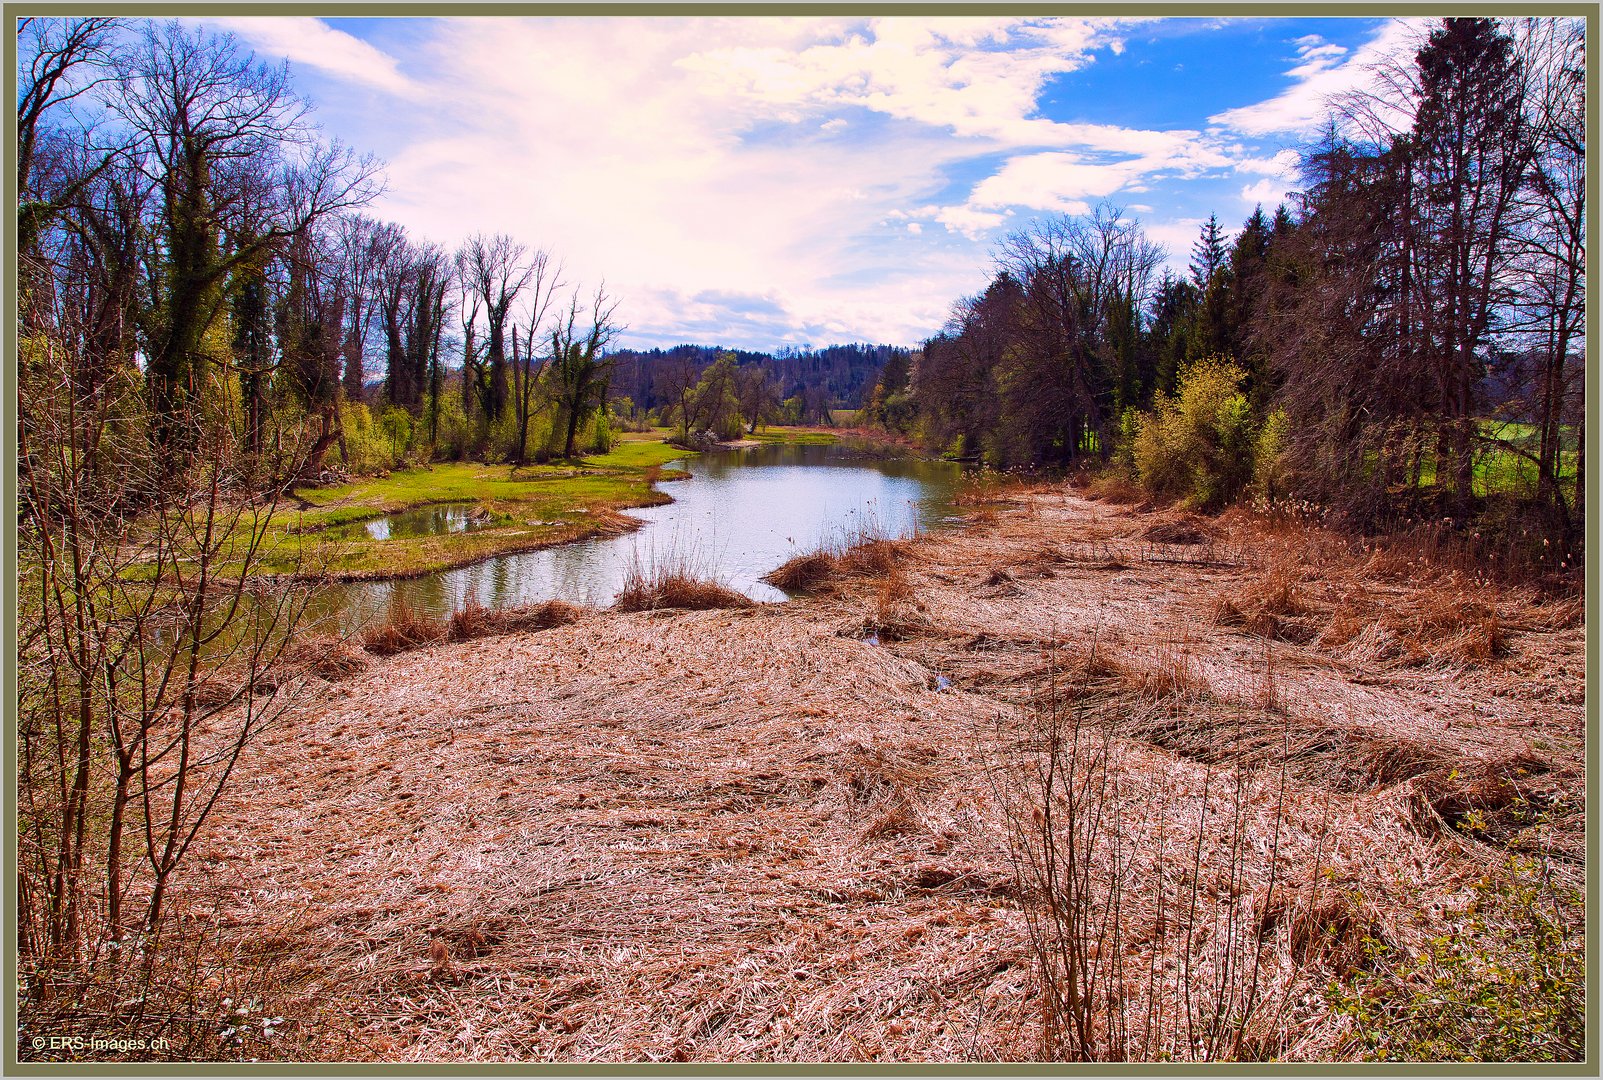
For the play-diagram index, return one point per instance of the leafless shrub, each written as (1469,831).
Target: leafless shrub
(1097,896)
(148,664)
(190,992)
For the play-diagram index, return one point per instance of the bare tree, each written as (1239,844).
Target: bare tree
(365,247)
(1550,312)
(59,62)
(674,378)
(578,370)
(143,650)
(544,281)
(1078,274)
(209,122)
(757,395)
(495,270)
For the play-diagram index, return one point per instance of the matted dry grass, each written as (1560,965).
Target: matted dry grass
(773,834)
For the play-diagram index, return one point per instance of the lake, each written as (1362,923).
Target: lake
(741,514)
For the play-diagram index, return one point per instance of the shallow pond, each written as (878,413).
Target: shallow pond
(741,514)
(437,520)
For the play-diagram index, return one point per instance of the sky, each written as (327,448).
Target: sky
(767,182)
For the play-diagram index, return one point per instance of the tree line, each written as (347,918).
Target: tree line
(1413,318)
(182,225)
(788,385)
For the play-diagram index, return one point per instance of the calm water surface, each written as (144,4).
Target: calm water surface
(742,513)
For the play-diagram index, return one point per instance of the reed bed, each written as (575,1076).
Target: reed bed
(407,629)
(769,834)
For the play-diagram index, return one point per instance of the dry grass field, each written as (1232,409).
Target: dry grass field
(815,831)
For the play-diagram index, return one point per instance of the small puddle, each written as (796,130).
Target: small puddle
(437,520)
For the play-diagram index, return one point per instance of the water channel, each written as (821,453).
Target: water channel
(741,514)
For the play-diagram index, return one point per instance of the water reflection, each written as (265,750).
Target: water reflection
(742,513)
(436,520)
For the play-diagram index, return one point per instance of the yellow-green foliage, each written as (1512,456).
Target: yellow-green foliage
(1198,445)
(1270,474)
(1507,984)
(380,443)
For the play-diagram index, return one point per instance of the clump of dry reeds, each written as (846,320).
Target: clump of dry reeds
(675,582)
(1172,674)
(896,612)
(872,555)
(475,620)
(675,590)
(609,522)
(1452,628)
(327,656)
(1270,606)
(1186,530)
(804,573)
(867,552)
(1431,624)
(405,629)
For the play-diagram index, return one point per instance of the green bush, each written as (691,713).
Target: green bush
(1270,474)
(395,429)
(1509,986)
(1198,445)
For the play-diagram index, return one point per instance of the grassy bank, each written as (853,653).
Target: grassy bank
(802,435)
(515,509)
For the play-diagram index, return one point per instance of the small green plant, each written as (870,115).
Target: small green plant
(1510,986)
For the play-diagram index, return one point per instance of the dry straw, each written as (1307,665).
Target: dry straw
(770,834)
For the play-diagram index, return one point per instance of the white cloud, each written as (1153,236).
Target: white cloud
(1264,193)
(968,221)
(660,173)
(978,77)
(690,161)
(1066,182)
(1056,181)
(1319,78)
(312,42)
(1283,165)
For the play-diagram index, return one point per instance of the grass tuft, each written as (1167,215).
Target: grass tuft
(406,629)
(476,621)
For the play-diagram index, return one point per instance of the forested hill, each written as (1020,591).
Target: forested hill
(834,377)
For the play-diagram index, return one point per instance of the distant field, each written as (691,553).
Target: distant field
(1503,469)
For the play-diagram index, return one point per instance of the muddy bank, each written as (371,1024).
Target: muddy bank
(779,833)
